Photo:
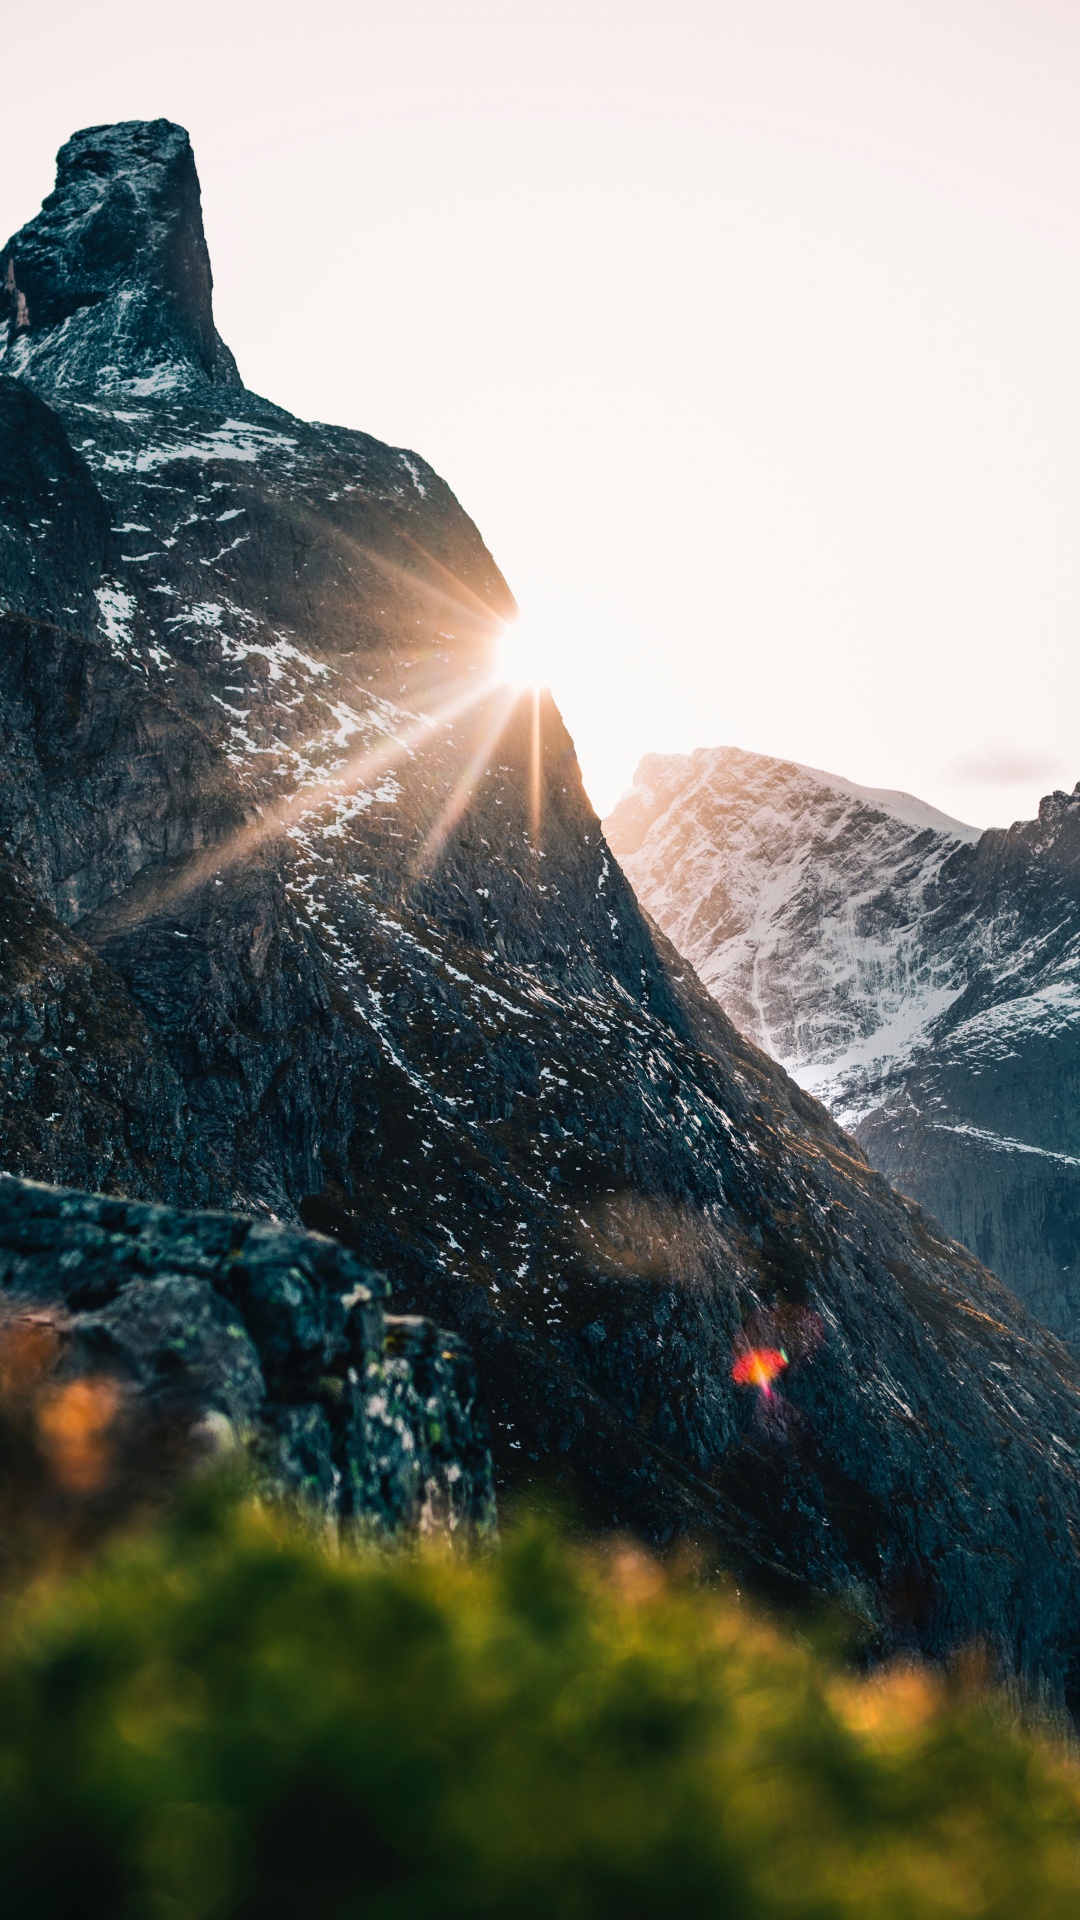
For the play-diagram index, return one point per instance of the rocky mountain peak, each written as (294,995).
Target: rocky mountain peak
(801,899)
(109,288)
(1057,806)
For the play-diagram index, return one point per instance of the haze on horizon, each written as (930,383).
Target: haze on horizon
(747,333)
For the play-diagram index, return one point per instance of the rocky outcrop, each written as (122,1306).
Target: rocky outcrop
(918,976)
(312,919)
(260,1336)
(110,286)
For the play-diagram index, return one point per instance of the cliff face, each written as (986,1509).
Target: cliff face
(307,916)
(917,976)
(983,1123)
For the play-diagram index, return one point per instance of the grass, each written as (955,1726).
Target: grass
(222,1717)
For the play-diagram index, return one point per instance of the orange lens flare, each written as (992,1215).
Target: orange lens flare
(759,1367)
(73,1423)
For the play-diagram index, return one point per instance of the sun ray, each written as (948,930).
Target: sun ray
(465,785)
(535,769)
(450,596)
(366,764)
(447,591)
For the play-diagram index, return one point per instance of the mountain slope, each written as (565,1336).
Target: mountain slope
(921,978)
(307,915)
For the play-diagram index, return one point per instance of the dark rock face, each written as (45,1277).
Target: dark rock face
(917,976)
(279,1337)
(54,524)
(337,938)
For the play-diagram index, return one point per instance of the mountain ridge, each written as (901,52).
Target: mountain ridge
(910,972)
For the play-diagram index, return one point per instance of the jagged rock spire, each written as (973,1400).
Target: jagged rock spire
(109,288)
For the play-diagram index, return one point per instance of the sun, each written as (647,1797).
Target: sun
(519,656)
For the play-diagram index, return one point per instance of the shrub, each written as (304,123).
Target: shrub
(224,1718)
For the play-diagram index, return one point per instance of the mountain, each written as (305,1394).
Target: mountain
(920,977)
(305,915)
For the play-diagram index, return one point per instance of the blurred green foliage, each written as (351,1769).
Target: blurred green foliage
(223,1717)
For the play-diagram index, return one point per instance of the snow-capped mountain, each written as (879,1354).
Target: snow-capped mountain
(303,914)
(920,977)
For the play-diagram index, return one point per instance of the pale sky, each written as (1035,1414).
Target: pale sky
(748,331)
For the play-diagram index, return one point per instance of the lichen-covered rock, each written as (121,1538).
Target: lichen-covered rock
(275,1337)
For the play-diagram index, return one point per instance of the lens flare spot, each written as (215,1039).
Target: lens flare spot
(73,1424)
(759,1367)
